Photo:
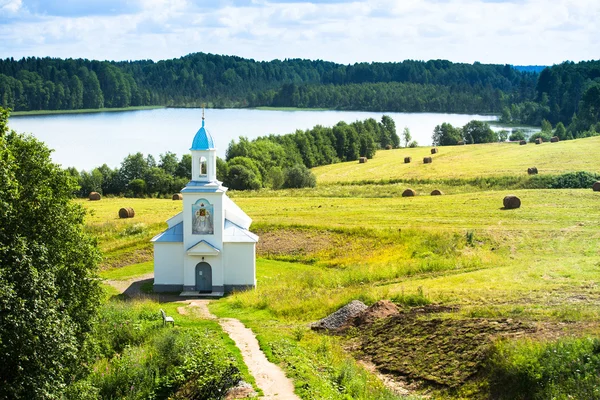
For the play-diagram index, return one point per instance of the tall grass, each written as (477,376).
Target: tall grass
(565,369)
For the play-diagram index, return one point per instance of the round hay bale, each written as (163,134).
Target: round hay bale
(511,202)
(554,139)
(532,171)
(362,160)
(522,142)
(539,140)
(126,212)
(409,193)
(434,150)
(436,192)
(596,186)
(407,160)
(461,143)
(427,160)
(95,196)
(388,147)
(177,196)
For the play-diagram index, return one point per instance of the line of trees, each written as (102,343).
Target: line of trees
(473,132)
(228,81)
(568,93)
(275,161)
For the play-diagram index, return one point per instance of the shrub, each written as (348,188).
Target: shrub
(575,180)
(299,176)
(546,136)
(243,174)
(567,369)
(516,136)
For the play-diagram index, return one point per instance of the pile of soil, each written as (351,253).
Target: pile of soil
(420,345)
(381,309)
(341,317)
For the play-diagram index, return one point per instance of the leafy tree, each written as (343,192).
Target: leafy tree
(389,126)
(506,116)
(184,168)
(222,169)
(546,126)
(136,187)
(168,162)
(502,135)
(517,136)
(243,174)
(406,136)
(479,132)
(446,135)
(49,293)
(134,166)
(299,176)
(561,131)
(275,178)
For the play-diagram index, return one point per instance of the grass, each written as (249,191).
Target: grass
(355,237)
(128,272)
(482,160)
(81,111)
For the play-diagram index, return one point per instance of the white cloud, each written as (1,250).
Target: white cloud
(517,32)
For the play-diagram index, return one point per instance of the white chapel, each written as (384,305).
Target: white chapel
(207,248)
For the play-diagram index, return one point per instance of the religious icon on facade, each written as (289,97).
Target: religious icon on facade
(202,218)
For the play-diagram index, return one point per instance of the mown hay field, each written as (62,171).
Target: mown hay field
(470,161)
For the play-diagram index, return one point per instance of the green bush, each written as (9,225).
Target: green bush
(516,136)
(567,369)
(546,136)
(299,176)
(141,360)
(575,180)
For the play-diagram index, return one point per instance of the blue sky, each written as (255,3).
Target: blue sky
(522,32)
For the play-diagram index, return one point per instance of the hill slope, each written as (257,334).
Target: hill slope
(482,160)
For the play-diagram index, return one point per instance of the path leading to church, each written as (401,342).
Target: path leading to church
(269,377)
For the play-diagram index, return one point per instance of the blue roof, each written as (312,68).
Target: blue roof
(202,140)
(173,234)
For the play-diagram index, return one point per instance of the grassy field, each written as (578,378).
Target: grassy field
(495,159)
(533,269)
(81,111)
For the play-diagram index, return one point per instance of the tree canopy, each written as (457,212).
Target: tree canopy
(48,291)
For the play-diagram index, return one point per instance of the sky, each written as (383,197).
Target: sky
(519,32)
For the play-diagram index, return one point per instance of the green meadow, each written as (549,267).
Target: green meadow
(536,266)
(471,161)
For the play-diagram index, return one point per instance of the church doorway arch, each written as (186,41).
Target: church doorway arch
(203,277)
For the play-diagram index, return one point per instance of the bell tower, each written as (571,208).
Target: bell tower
(204,157)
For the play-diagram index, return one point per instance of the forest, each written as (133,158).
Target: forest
(228,81)
(275,161)
(567,93)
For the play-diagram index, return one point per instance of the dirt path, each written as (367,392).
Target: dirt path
(269,377)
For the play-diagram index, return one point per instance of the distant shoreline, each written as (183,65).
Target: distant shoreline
(81,111)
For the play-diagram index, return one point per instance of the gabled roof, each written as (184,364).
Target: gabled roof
(203,140)
(203,248)
(235,214)
(173,234)
(236,234)
(175,219)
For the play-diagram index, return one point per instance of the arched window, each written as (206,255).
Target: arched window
(203,166)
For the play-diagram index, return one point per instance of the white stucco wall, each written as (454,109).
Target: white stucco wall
(168,263)
(240,264)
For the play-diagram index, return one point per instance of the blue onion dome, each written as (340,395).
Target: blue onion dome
(202,140)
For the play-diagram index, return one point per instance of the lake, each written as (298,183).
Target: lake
(86,141)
